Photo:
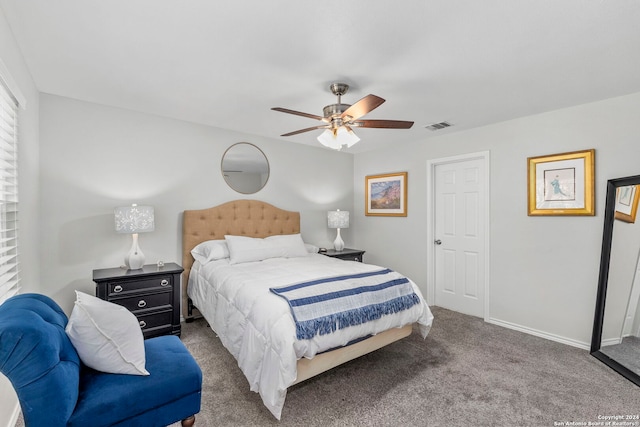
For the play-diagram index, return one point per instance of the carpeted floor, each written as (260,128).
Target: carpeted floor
(466,373)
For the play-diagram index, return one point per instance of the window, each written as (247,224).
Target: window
(9,269)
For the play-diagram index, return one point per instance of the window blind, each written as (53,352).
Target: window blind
(9,268)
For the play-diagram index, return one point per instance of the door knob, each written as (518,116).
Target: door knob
(438,242)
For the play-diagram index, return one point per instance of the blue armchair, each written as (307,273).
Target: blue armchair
(55,389)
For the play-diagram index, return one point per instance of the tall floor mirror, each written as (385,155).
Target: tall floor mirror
(616,330)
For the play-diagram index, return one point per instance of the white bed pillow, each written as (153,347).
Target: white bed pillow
(248,249)
(292,245)
(210,250)
(106,336)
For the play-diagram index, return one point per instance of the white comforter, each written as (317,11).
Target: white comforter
(257,327)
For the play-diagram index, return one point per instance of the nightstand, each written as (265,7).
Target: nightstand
(152,293)
(345,254)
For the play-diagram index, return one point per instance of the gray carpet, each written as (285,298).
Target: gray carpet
(466,373)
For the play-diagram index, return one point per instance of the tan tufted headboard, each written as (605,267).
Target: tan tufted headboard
(250,218)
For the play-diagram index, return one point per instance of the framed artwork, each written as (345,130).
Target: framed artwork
(627,203)
(386,195)
(561,184)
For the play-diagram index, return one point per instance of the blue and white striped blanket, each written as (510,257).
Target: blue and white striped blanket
(324,305)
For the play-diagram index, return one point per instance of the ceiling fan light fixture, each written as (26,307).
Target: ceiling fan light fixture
(341,138)
(339,118)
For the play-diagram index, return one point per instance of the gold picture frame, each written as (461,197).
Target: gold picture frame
(386,194)
(561,184)
(627,198)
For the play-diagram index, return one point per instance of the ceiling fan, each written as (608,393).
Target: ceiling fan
(339,119)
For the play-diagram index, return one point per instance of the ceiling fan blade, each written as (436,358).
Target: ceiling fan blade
(295,132)
(298,113)
(385,124)
(362,107)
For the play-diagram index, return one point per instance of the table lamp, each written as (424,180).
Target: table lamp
(338,219)
(132,220)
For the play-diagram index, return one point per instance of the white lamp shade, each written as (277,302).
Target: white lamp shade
(134,219)
(337,141)
(338,219)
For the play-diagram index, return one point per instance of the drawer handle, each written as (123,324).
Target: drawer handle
(142,303)
(143,324)
(117,288)
(164,282)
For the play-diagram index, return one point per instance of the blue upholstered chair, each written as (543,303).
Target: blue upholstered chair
(56,389)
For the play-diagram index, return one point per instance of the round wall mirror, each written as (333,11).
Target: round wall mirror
(245,168)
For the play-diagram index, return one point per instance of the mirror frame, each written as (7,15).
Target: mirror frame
(603,278)
(259,151)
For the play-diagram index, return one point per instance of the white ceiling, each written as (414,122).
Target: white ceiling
(226,63)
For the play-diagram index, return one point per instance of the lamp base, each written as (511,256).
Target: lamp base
(338,244)
(135,258)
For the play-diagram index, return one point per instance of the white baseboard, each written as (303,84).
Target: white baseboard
(14,416)
(10,417)
(611,341)
(541,334)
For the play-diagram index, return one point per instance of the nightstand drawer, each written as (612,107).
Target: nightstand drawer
(144,302)
(153,321)
(346,254)
(124,287)
(349,257)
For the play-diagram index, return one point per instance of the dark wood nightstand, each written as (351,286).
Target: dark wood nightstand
(152,293)
(345,254)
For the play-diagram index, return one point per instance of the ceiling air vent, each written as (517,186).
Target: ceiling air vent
(438,126)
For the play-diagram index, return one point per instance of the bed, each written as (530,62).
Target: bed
(240,297)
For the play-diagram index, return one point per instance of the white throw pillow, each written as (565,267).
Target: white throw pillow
(210,250)
(106,336)
(248,249)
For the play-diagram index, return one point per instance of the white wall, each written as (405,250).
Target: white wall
(543,271)
(94,158)
(27,186)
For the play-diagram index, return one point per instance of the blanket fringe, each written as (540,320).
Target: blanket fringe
(328,324)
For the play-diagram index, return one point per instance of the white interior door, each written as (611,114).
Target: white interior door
(459,232)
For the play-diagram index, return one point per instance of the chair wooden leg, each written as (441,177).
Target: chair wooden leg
(189,422)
